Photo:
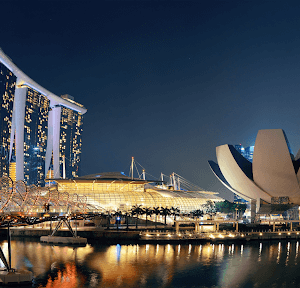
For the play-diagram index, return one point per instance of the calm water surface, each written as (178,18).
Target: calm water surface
(266,264)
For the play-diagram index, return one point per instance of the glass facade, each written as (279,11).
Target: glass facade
(7,90)
(116,194)
(245,152)
(249,153)
(35,137)
(70,142)
(240,149)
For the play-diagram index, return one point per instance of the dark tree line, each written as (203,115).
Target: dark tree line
(230,207)
(137,210)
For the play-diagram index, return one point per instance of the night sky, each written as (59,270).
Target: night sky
(163,81)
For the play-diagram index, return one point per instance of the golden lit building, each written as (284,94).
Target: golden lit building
(39,131)
(7,89)
(114,190)
(12,171)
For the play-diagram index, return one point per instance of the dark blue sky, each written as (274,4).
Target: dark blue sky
(163,81)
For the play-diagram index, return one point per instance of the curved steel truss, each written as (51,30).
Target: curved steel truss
(17,197)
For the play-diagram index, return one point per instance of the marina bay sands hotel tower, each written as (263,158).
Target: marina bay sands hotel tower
(40,132)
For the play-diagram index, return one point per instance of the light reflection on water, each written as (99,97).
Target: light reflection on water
(267,264)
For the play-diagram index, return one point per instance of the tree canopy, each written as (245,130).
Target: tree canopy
(230,207)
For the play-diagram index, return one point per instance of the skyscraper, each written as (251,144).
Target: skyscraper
(40,131)
(7,89)
(245,152)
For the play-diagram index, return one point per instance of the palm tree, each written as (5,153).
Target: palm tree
(175,212)
(107,215)
(136,210)
(165,211)
(197,213)
(118,214)
(126,214)
(156,211)
(148,212)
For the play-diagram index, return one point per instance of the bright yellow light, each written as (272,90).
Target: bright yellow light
(157,234)
(169,235)
(221,236)
(260,234)
(279,233)
(212,236)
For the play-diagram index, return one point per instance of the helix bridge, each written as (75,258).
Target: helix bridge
(21,204)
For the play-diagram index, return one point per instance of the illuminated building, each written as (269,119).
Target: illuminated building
(240,149)
(12,171)
(39,130)
(7,89)
(270,180)
(245,152)
(114,190)
(249,153)
(70,139)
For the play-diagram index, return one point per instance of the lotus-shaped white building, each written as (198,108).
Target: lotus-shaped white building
(273,176)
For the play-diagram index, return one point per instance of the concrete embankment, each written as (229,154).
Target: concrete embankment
(89,233)
(218,237)
(99,234)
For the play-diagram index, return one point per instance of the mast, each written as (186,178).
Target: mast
(144,175)
(131,168)
(174,181)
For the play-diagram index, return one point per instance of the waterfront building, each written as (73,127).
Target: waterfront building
(270,180)
(114,190)
(40,132)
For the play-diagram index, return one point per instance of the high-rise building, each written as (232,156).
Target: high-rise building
(7,89)
(40,132)
(249,153)
(70,140)
(240,149)
(245,152)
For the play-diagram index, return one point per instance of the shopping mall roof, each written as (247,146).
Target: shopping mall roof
(106,176)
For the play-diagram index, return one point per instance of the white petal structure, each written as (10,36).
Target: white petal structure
(273,165)
(274,174)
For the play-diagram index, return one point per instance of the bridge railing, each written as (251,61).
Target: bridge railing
(17,196)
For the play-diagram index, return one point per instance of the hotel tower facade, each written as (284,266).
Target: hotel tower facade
(40,132)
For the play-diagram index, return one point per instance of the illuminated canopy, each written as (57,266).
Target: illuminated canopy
(114,190)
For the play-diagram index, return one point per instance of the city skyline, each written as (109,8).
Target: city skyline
(40,132)
(165,82)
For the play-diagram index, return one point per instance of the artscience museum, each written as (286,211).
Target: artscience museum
(272,179)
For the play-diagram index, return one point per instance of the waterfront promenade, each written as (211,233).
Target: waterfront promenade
(164,234)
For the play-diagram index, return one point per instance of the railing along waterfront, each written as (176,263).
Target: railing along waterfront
(219,236)
(18,197)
